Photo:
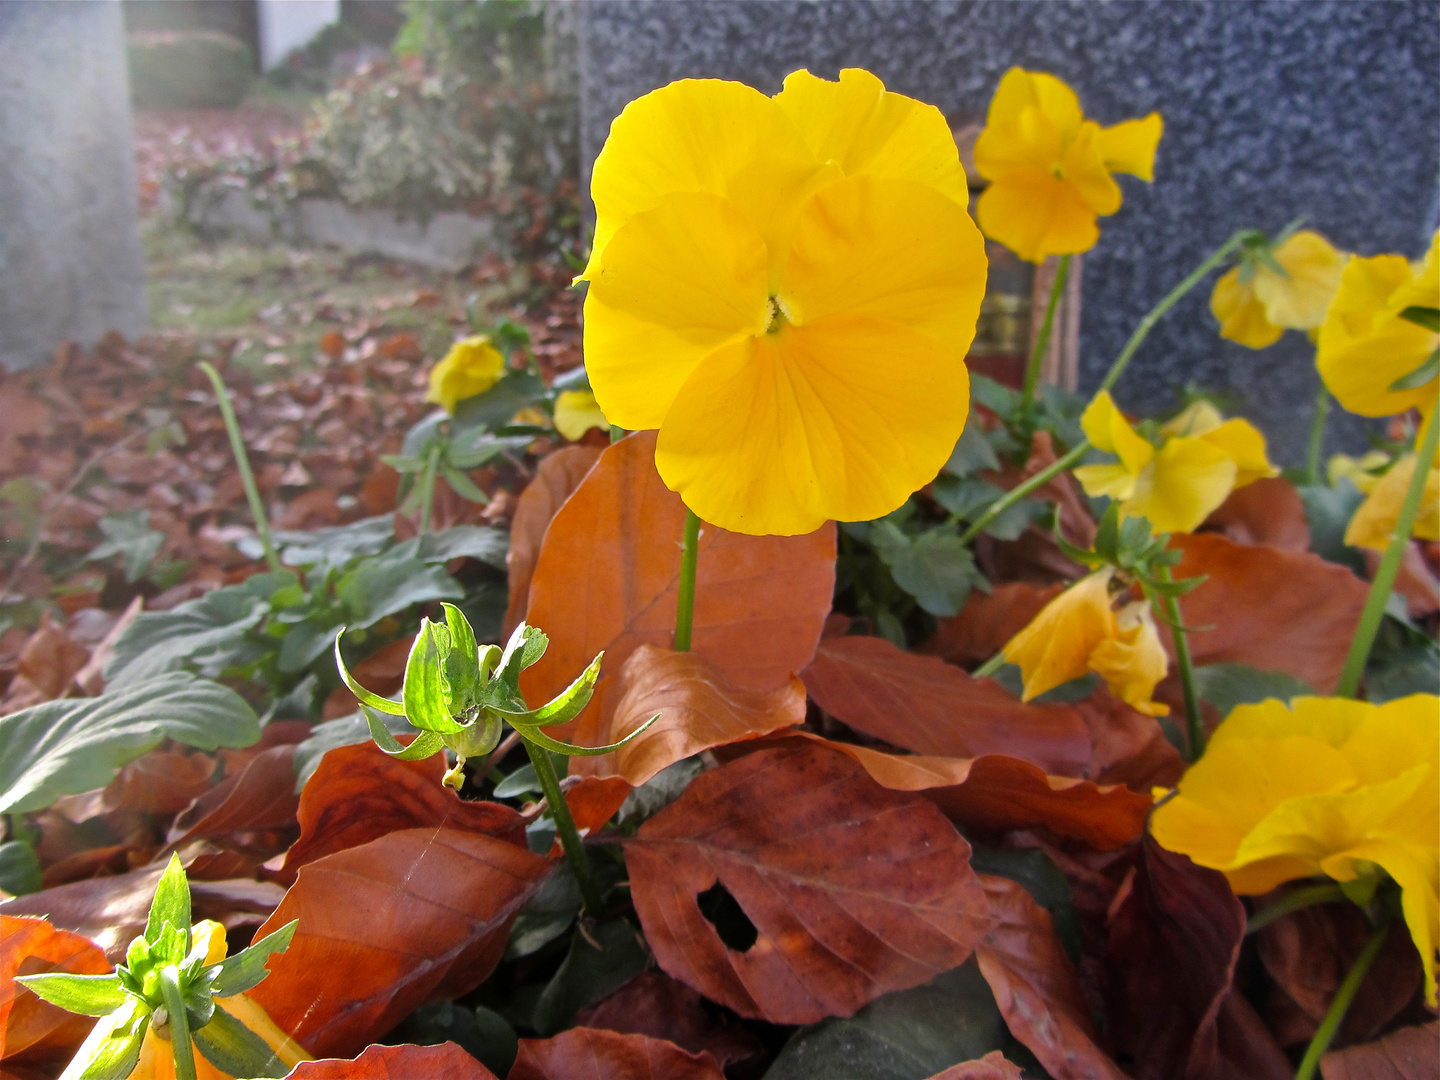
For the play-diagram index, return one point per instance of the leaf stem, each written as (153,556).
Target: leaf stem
(427,487)
(178,1022)
(564,825)
(685,604)
(1335,1015)
(1389,567)
(1194,724)
(1295,900)
(242,462)
(1019,491)
(1317,436)
(1042,340)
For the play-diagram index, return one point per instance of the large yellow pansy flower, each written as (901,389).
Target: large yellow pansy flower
(1325,786)
(786,288)
(1079,631)
(1375,518)
(1365,345)
(471,367)
(1201,459)
(1255,303)
(1050,168)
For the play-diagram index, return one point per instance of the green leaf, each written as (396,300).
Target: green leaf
(522,781)
(1016,518)
(1044,881)
(588,973)
(490,546)
(497,405)
(965,498)
(346,731)
(1425,316)
(1425,373)
(462,663)
(546,915)
(473,446)
(419,438)
(70,746)
(246,968)
(424,691)
(19,868)
(236,1050)
(306,641)
(365,697)
(1328,512)
(171,907)
(1228,685)
(463,486)
(565,706)
(112,1048)
(973,453)
(1414,669)
(526,645)
(539,738)
(424,745)
(659,791)
(387,586)
(480,1032)
(88,995)
(934,567)
(336,547)
(998,398)
(128,534)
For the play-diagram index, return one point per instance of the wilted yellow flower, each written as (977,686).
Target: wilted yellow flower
(1365,345)
(1050,169)
(1359,471)
(1079,631)
(1335,787)
(576,412)
(786,287)
(471,367)
(1375,518)
(1256,303)
(1201,459)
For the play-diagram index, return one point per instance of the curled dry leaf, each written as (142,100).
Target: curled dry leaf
(1267,511)
(592,1054)
(608,572)
(992,1066)
(386,925)
(46,668)
(34,1033)
(444,1062)
(853,890)
(359,793)
(1127,747)
(699,708)
(1407,1054)
(160,782)
(252,811)
(988,621)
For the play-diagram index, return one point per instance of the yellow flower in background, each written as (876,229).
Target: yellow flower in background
(471,367)
(1325,786)
(1079,631)
(786,288)
(1201,459)
(1255,302)
(1366,346)
(1362,471)
(576,412)
(1375,518)
(1050,168)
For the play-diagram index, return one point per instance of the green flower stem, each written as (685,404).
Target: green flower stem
(178,1023)
(1194,725)
(1171,299)
(1338,1007)
(1317,436)
(990,667)
(565,826)
(1374,609)
(685,605)
(427,488)
(242,461)
(1294,901)
(1019,491)
(1042,340)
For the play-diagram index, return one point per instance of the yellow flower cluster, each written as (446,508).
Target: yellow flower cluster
(471,367)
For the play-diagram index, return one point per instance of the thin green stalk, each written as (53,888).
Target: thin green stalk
(1335,1015)
(242,461)
(1015,494)
(427,487)
(1171,299)
(178,1022)
(1042,340)
(1374,609)
(991,666)
(685,604)
(1194,725)
(1294,901)
(1317,436)
(565,826)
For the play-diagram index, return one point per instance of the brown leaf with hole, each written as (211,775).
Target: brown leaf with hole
(924,705)
(698,707)
(854,890)
(386,925)
(161,782)
(1410,1053)
(593,1054)
(608,573)
(1268,512)
(443,1062)
(993,1066)
(35,1034)
(555,478)
(252,811)
(359,793)
(988,621)
(1036,987)
(656,1005)
(1274,610)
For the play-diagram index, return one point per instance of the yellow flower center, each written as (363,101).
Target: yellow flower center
(779,316)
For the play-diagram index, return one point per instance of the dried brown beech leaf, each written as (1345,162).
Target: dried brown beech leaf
(1416,581)
(592,1054)
(160,782)
(608,572)
(988,621)
(1036,987)
(927,706)
(1274,610)
(698,707)
(1128,747)
(253,810)
(853,890)
(1407,1054)
(992,1066)
(592,801)
(1267,512)
(359,793)
(444,1062)
(33,1033)
(555,478)
(46,668)
(656,1005)
(385,925)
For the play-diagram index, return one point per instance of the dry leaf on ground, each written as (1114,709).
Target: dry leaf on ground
(555,478)
(1407,1054)
(988,621)
(592,1054)
(443,1062)
(1268,512)
(35,1034)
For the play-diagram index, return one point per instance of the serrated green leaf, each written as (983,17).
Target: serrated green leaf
(235,1050)
(171,907)
(88,995)
(1328,512)
(490,546)
(999,399)
(595,966)
(128,534)
(385,586)
(934,567)
(1228,685)
(1016,518)
(973,453)
(338,546)
(1414,669)
(246,969)
(112,1048)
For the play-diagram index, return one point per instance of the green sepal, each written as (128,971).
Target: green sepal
(566,705)
(1423,315)
(112,1048)
(462,669)
(426,744)
(526,645)
(486,659)
(536,737)
(1425,373)
(246,969)
(365,697)
(88,995)
(426,705)
(171,906)
(236,1050)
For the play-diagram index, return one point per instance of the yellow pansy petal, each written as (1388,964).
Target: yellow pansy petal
(1392,737)
(1133,661)
(1240,314)
(1197,418)
(865,129)
(1129,146)
(1414,870)
(1424,288)
(676,284)
(1299,300)
(1035,213)
(1114,480)
(889,249)
(843,418)
(1194,829)
(576,412)
(1107,429)
(1056,645)
(1332,721)
(471,367)
(1020,90)
(1084,168)
(1375,519)
(1186,481)
(1243,443)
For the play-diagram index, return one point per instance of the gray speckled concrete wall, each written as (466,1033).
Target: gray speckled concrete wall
(1272,110)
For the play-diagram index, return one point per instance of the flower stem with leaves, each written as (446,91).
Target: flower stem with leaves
(242,462)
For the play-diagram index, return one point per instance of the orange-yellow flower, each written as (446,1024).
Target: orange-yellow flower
(786,288)
(1324,786)
(576,412)
(1255,302)
(471,367)
(1050,168)
(1375,518)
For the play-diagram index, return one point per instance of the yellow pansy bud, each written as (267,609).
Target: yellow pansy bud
(576,412)
(1255,303)
(471,367)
